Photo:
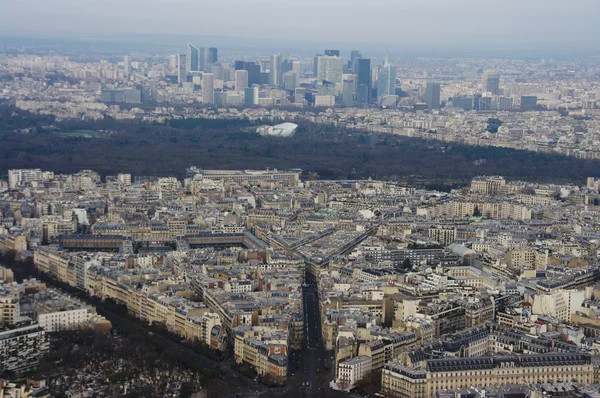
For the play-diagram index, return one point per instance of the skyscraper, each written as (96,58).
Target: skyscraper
(354,55)
(218,70)
(126,65)
(181,68)
(275,69)
(316,64)
(207,57)
(241,80)
(348,92)
(202,59)
(284,67)
(251,96)
(491,82)
(299,95)
(528,102)
(327,88)
(212,56)
(173,61)
(296,67)
(485,103)
(362,68)
(476,101)
(432,95)
(386,80)
(505,104)
(239,65)
(332,53)
(192,57)
(290,80)
(253,71)
(465,103)
(208,88)
(330,68)
(220,98)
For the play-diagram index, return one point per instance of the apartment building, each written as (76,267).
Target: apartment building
(53,262)
(139,231)
(55,311)
(455,373)
(494,210)
(490,185)
(593,183)
(472,277)
(92,243)
(176,313)
(176,228)
(527,258)
(244,176)
(13,243)
(9,303)
(207,323)
(21,349)
(445,317)
(6,275)
(267,216)
(397,256)
(22,177)
(387,347)
(53,226)
(264,349)
(124,179)
(478,311)
(353,370)
(444,236)
(559,303)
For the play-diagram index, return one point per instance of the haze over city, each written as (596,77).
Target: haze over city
(506,24)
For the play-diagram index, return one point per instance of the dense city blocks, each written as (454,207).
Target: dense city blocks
(385,199)
(337,284)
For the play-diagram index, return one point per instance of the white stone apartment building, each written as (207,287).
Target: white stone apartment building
(353,370)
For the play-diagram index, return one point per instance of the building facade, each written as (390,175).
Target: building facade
(21,349)
(456,373)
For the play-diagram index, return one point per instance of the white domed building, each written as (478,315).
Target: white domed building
(280,130)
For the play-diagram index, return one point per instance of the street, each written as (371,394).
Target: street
(316,372)
(312,339)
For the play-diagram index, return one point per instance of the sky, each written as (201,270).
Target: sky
(441,22)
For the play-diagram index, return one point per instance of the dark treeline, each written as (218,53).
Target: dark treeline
(331,152)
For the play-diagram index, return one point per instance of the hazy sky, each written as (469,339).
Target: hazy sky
(503,22)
